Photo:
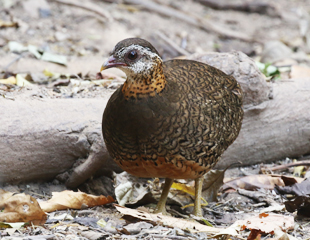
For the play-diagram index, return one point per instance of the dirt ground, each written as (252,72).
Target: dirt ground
(84,32)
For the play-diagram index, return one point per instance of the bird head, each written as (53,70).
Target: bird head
(134,56)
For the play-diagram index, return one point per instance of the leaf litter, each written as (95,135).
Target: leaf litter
(103,221)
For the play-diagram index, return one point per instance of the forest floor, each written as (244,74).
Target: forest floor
(49,49)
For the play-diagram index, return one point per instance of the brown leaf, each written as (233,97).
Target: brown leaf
(262,215)
(298,189)
(76,200)
(167,220)
(254,235)
(20,208)
(300,203)
(4,24)
(300,72)
(4,195)
(268,223)
(254,182)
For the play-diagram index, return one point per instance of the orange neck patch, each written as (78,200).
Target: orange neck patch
(140,86)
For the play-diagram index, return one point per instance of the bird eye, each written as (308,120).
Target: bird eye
(132,55)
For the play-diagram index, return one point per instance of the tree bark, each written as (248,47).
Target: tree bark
(40,139)
(274,129)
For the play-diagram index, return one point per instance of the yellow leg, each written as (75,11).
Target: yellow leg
(198,189)
(161,205)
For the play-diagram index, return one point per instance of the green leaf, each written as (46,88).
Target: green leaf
(271,70)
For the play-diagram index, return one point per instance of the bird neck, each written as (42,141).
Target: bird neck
(141,85)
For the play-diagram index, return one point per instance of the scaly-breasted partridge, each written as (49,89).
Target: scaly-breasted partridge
(171,119)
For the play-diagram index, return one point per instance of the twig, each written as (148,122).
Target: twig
(172,44)
(13,61)
(252,7)
(89,7)
(207,25)
(285,166)
(222,204)
(6,97)
(161,236)
(257,196)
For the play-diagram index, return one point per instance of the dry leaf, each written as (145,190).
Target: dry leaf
(254,182)
(4,195)
(16,47)
(20,208)
(288,180)
(168,221)
(301,204)
(184,188)
(265,223)
(76,200)
(4,24)
(55,58)
(21,81)
(135,228)
(298,189)
(10,80)
(130,189)
(300,72)
(123,193)
(93,235)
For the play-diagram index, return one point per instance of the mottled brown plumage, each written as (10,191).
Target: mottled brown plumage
(170,119)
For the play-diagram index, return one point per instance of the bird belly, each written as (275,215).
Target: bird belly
(163,168)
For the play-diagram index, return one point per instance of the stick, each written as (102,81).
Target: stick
(204,24)
(252,7)
(89,7)
(172,44)
(13,61)
(285,166)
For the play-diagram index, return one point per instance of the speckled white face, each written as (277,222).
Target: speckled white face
(143,64)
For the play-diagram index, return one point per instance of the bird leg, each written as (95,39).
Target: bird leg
(198,189)
(161,205)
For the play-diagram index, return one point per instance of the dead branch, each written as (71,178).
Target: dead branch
(256,196)
(172,44)
(94,161)
(207,25)
(285,166)
(251,7)
(89,7)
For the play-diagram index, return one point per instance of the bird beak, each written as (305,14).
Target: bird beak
(112,62)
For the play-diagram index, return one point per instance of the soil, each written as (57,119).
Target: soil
(86,38)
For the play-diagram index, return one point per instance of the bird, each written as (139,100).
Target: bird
(170,119)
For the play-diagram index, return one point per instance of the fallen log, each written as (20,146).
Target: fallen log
(274,129)
(41,139)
